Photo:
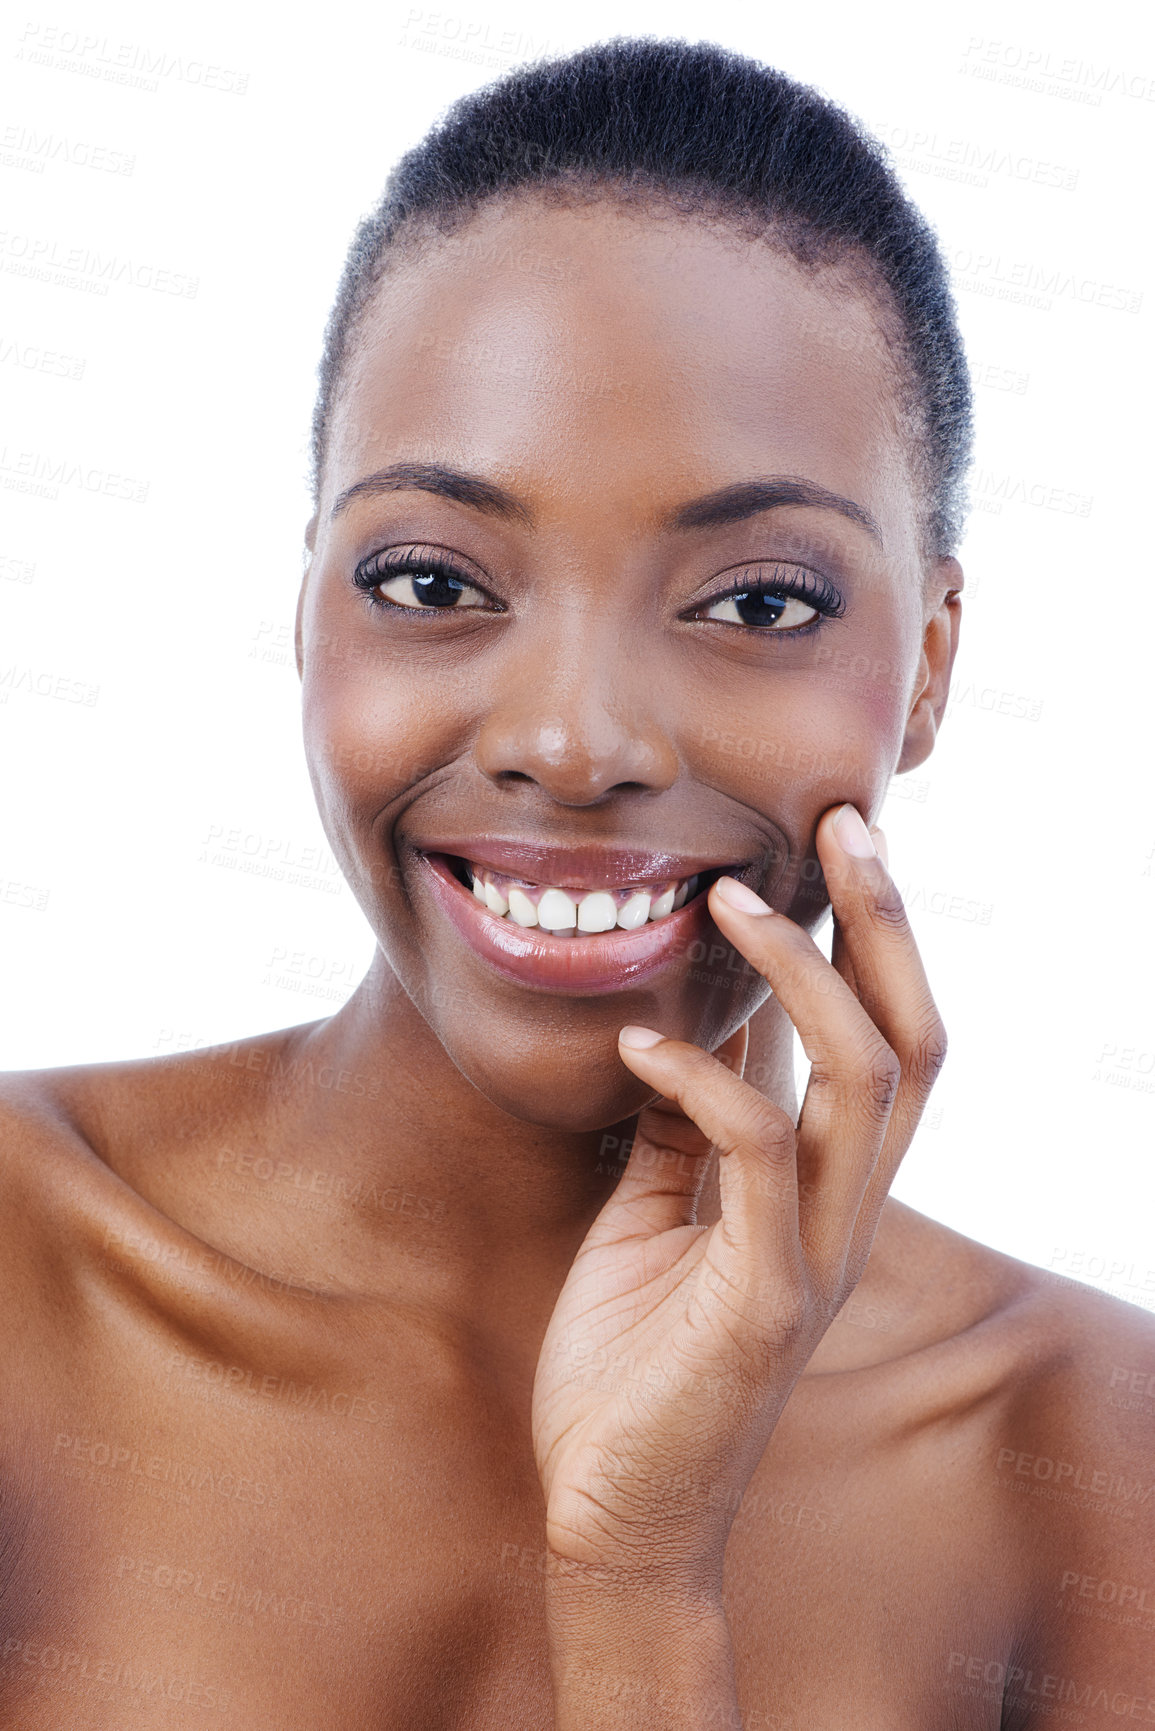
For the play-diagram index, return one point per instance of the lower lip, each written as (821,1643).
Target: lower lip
(581,966)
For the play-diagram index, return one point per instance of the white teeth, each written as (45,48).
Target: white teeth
(557,912)
(597,912)
(521,908)
(495,901)
(663,904)
(635,912)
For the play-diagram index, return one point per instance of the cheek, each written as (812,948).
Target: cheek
(373,726)
(858,714)
(780,746)
(791,745)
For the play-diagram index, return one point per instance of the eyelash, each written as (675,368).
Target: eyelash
(813,590)
(810,588)
(379,569)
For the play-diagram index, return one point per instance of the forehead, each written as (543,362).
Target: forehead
(639,358)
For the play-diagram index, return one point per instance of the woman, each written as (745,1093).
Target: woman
(485,1354)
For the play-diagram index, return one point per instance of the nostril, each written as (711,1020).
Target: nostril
(576,761)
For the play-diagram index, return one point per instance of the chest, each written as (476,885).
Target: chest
(210,1545)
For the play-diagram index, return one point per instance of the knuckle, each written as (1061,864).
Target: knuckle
(856,1260)
(890,909)
(881,1075)
(768,1129)
(928,1054)
(829,1283)
(787,1312)
(854,1269)
(792,1312)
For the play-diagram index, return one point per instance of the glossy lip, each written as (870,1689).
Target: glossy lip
(583,966)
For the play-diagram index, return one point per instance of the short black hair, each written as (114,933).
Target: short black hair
(715,135)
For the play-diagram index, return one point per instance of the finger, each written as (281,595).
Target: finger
(839,956)
(840,959)
(663,1178)
(754,1138)
(876,949)
(853,1072)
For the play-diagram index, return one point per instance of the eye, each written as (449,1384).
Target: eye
(761,607)
(775,598)
(415,581)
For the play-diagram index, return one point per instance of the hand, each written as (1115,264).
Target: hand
(673,1347)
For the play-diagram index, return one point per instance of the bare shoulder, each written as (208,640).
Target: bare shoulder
(1077,1464)
(1069,1374)
(87,1150)
(43,1155)
(1078,1442)
(1073,1367)
(114,1107)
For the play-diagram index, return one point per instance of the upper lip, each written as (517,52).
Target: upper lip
(586,868)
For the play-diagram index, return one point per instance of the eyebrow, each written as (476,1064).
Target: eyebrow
(713,510)
(453,484)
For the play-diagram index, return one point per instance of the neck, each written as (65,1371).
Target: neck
(473,1203)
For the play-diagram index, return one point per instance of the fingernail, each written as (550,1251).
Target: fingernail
(853,835)
(639,1038)
(736,895)
(880,844)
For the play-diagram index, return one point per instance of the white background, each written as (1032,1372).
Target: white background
(164,881)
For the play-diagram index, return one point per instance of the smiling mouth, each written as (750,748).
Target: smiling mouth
(658,919)
(569,911)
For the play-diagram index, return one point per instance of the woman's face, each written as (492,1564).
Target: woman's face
(662,605)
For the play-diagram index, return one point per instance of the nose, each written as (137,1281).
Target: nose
(578,717)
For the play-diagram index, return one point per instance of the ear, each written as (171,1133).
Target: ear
(932,681)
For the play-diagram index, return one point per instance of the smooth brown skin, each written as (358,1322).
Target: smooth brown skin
(384,1208)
